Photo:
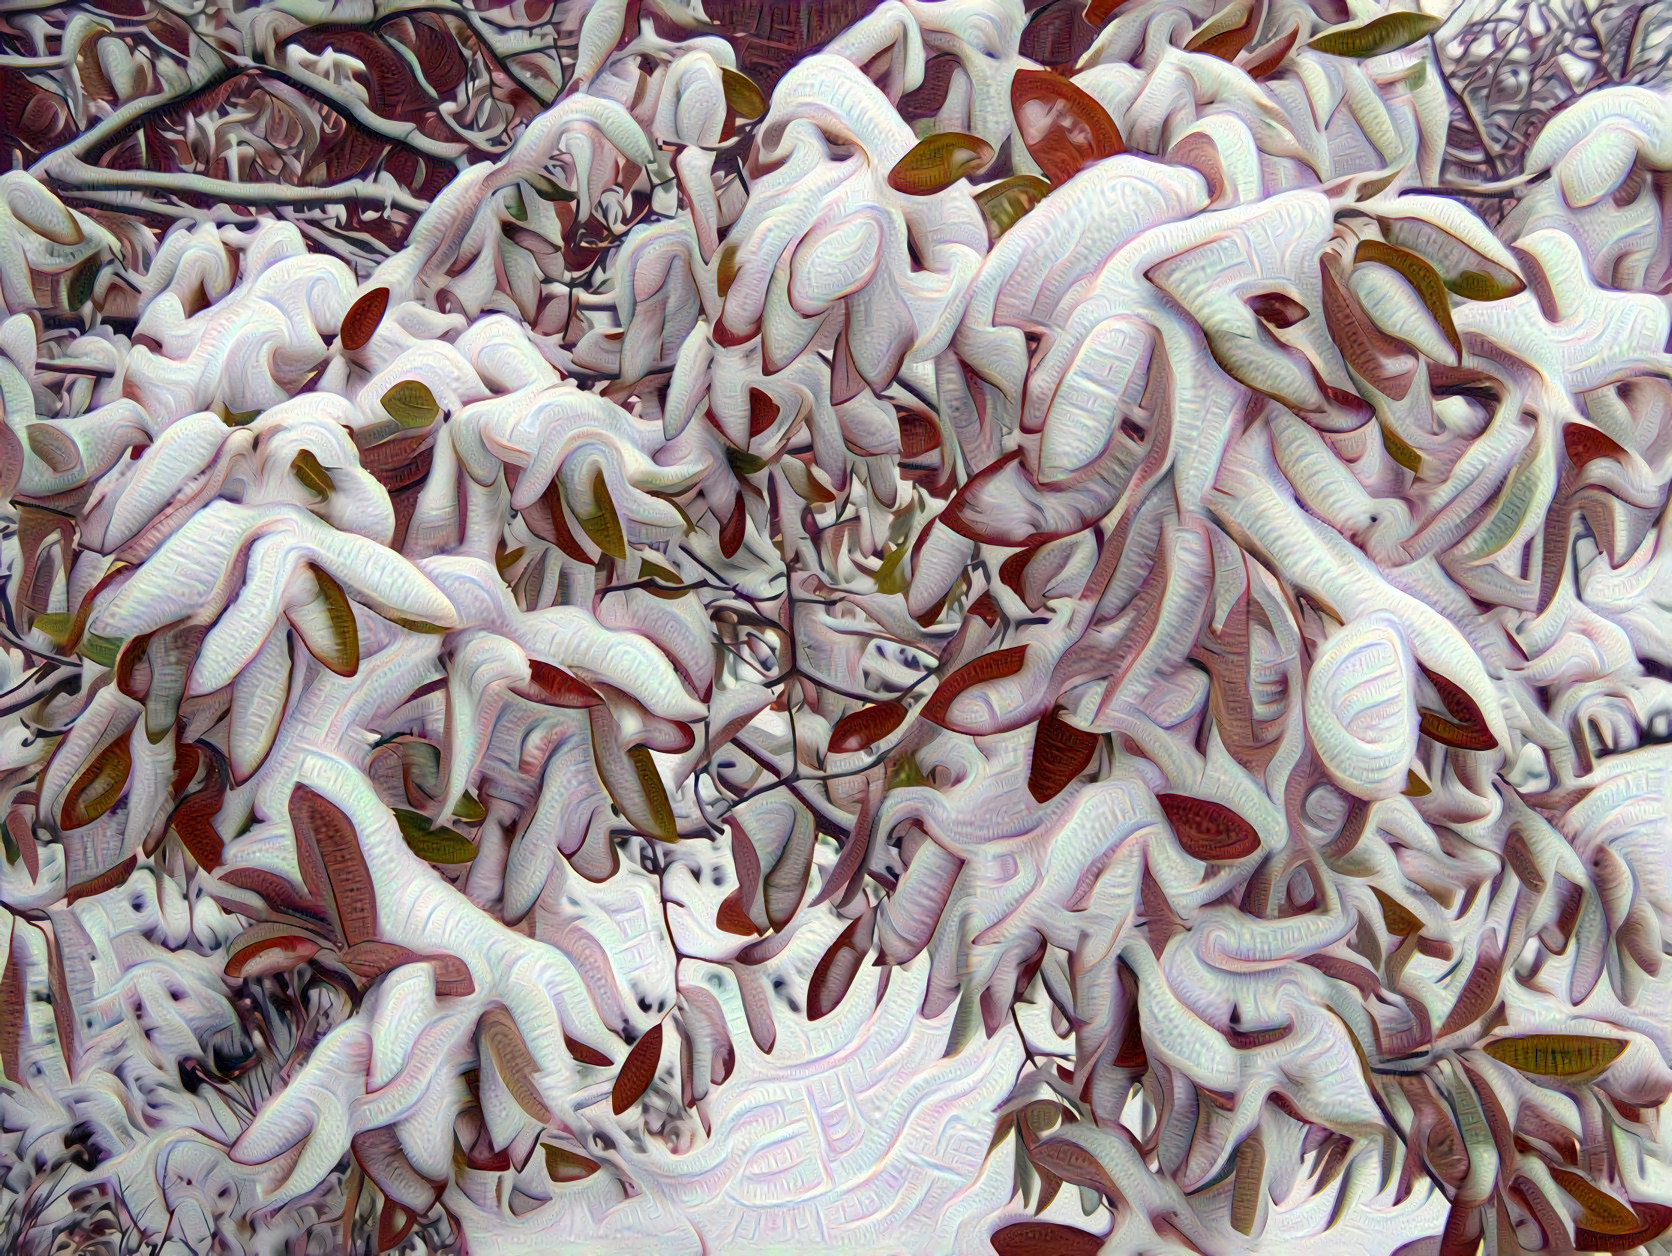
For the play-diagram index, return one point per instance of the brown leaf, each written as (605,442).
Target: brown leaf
(328,836)
(503,1044)
(1062,126)
(97,787)
(563,1165)
(638,1071)
(1045,1238)
(1587,444)
(1652,1221)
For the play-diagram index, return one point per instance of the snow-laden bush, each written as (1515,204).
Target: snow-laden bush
(757,673)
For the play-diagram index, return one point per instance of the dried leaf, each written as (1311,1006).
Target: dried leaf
(326,838)
(503,1044)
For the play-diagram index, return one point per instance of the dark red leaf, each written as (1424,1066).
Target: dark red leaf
(989,667)
(586,1054)
(731,917)
(1045,1238)
(1207,830)
(638,1071)
(1587,444)
(834,974)
(865,727)
(109,879)
(362,319)
(1060,753)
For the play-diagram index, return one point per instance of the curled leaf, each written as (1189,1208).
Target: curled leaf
(1004,203)
(860,729)
(938,161)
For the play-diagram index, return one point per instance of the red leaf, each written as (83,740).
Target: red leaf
(362,319)
(731,918)
(13,1004)
(22,832)
(1586,444)
(556,687)
(194,817)
(763,412)
(1209,831)
(639,1070)
(1060,753)
(837,968)
(1063,127)
(989,667)
(109,879)
(586,1054)
(1045,1238)
(263,950)
(394,1223)
(865,727)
